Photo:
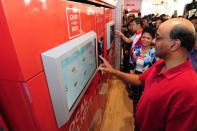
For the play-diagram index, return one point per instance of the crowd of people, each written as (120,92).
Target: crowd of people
(160,65)
(148,21)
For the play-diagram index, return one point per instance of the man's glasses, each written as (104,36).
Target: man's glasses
(157,37)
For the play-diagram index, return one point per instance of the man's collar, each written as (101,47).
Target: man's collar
(173,72)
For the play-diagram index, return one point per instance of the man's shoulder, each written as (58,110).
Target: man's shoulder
(187,81)
(187,84)
(192,75)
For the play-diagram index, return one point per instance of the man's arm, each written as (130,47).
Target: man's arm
(129,78)
(120,34)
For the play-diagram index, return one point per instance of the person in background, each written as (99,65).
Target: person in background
(193,53)
(139,15)
(124,18)
(145,21)
(159,20)
(175,14)
(193,19)
(169,100)
(127,47)
(142,58)
(137,28)
(130,17)
(164,17)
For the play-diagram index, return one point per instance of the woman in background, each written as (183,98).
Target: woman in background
(142,57)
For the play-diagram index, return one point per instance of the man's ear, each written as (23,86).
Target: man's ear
(175,44)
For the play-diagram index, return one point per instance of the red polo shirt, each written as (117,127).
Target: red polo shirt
(169,101)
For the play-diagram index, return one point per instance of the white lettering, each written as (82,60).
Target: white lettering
(82,110)
(78,127)
(77,116)
(72,126)
(73,17)
(80,115)
(74,28)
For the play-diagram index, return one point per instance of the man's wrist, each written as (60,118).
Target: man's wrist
(114,71)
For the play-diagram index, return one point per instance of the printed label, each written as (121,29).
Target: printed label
(74,22)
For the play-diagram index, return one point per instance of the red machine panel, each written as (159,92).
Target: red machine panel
(99,22)
(32,30)
(108,15)
(43,109)
(16,106)
(41,25)
(29,28)
(107,19)
(100,31)
(30,106)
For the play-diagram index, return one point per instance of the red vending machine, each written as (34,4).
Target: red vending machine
(102,52)
(28,29)
(110,36)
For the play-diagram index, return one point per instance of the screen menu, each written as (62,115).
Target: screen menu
(78,69)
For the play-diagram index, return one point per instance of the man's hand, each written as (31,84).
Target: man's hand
(119,33)
(129,78)
(106,67)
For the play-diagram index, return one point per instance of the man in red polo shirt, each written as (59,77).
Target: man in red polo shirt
(169,100)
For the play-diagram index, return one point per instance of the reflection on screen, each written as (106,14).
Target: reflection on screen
(78,69)
(112,33)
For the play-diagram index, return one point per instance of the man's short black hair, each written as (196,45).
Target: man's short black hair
(186,36)
(138,21)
